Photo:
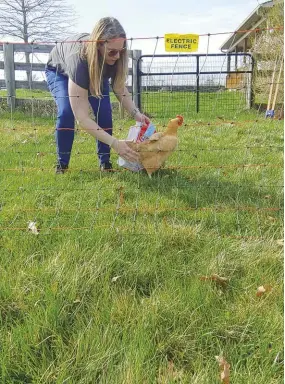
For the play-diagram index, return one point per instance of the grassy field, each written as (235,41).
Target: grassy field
(110,291)
(27,93)
(163,104)
(209,103)
(36,94)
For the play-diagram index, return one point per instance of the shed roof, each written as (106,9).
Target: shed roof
(252,21)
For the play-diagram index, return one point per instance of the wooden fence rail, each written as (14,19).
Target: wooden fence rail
(10,67)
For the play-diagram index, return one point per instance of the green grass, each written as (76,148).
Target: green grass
(36,94)
(162,104)
(27,93)
(209,103)
(110,290)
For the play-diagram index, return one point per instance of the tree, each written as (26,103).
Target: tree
(36,20)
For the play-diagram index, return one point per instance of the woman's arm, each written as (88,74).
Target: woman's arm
(80,106)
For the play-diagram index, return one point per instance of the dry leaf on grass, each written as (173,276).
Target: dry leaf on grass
(223,281)
(280,242)
(169,374)
(32,227)
(54,287)
(121,194)
(115,278)
(272,219)
(279,358)
(263,289)
(224,369)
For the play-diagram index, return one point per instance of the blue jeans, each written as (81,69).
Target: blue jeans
(58,86)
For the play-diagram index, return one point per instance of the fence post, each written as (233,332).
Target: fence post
(197,84)
(9,72)
(252,80)
(136,54)
(229,62)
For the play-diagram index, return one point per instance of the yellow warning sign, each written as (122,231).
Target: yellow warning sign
(181,43)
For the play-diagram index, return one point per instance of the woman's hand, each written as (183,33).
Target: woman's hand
(122,148)
(141,118)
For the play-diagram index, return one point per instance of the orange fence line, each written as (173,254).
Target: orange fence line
(52,228)
(43,153)
(34,99)
(31,97)
(148,210)
(55,188)
(127,229)
(23,169)
(196,124)
(144,38)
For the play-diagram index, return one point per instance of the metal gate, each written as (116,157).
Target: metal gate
(189,84)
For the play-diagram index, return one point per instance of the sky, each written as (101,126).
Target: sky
(148,18)
(151,18)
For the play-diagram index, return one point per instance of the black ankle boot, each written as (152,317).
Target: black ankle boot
(106,167)
(61,169)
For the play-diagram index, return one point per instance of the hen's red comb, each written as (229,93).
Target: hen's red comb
(180,122)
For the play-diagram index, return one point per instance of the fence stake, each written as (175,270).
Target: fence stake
(136,78)
(9,72)
(197,84)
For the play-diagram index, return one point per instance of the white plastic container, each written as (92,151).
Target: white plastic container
(132,136)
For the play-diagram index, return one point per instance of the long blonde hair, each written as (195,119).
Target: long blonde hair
(106,29)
